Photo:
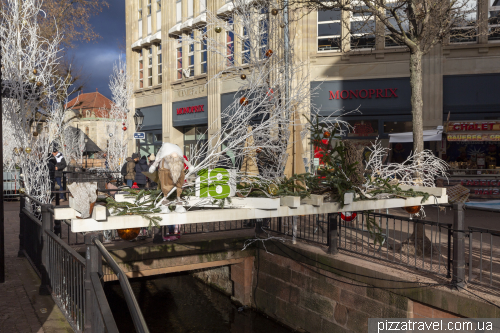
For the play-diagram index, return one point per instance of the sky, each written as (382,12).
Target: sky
(96,58)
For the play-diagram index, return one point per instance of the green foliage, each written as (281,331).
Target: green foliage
(143,205)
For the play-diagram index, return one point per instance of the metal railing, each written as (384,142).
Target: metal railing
(421,244)
(73,282)
(313,228)
(216,226)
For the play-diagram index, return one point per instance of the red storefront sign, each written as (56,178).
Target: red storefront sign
(191,109)
(474,126)
(364,93)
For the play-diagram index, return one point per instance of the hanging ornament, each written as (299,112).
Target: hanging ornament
(243,76)
(272,189)
(35,71)
(35,133)
(28,150)
(258,150)
(269,53)
(123,124)
(218,30)
(282,25)
(16,150)
(243,101)
(110,135)
(274,11)
(412,209)
(326,134)
(124,128)
(39,84)
(128,234)
(22,190)
(348,216)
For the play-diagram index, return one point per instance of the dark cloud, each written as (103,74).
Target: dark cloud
(96,58)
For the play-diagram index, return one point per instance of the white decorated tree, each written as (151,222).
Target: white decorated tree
(121,91)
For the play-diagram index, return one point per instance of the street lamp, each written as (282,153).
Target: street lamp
(138,120)
(86,153)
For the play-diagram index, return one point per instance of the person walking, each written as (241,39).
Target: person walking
(51,164)
(130,176)
(152,184)
(141,178)
(60,166)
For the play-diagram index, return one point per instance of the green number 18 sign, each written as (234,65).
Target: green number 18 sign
(213,183)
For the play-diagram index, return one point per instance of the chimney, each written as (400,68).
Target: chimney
(95,89)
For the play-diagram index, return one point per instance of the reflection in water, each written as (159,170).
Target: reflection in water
(179,303)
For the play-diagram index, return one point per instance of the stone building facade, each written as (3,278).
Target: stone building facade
(459,78)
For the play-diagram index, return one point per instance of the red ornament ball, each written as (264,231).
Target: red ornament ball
(124,128)
(123,124)
(243,101)
(269,53)
(128,234)
(326,134)
(412,209)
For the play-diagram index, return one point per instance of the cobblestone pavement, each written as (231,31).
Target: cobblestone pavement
(21,308)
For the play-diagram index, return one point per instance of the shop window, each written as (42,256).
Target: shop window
(159,66)
(178,11)
(464,30)
(494,20)
(194,140)
(203,58)
(329,29)
(150,66)
(191,55)
(263,33)
(398,127)
(179,58)
(363,128)
(245,47)
(362,29)
(230,44)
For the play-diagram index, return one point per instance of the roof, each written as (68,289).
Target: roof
(93,100)
(90,146)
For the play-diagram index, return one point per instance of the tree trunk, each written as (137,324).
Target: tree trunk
(416,100)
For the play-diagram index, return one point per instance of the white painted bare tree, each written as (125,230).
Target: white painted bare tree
(31,91)
(121,87)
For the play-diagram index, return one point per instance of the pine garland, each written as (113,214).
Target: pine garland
(143,205)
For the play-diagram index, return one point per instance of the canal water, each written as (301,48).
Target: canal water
(179,303)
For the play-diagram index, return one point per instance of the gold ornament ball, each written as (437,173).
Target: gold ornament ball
(128,234)
(35,133)
(218,30)
(35,71)
(274,11)
(28,150)
(243,76)
(412,209)
(272,189)
(22,190)
(39,84)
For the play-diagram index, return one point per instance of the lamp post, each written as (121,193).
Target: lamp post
(138,120)
(86,154)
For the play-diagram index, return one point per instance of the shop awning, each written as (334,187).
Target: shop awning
(429,135)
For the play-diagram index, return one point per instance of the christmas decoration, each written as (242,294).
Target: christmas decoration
(35,133)
(22,190)
(413,209)
(218,30)
(35,71)
(269,53)
(243,76)
(348,216)
(326,134)
(243,101)
(272,189)
(28,150)
(39,84)
(124,128)
(274,11)
(128,234)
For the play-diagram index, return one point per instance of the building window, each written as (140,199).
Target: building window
(87,114)
(494,20)
(179,58)
(150,67)
(160,69)
(178,11)
(363,128)
(149,7)
(158,15)
(362,29)
(203,63)
(329,30)
(140,9)
(464,30)
(263,31)
(191,55)
(190,8)
(245,47)
(203,6)
(390,41)
(141,73)
(158,5)
(230,43)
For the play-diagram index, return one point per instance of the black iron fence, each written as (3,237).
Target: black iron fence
(313,228)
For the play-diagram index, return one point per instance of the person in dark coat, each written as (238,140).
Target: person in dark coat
(60,166)
(51,164)
(140,178)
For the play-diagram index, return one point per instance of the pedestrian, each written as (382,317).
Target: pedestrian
(51,164)
(151,184)
(130,172)
(141,178)
(60,166)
